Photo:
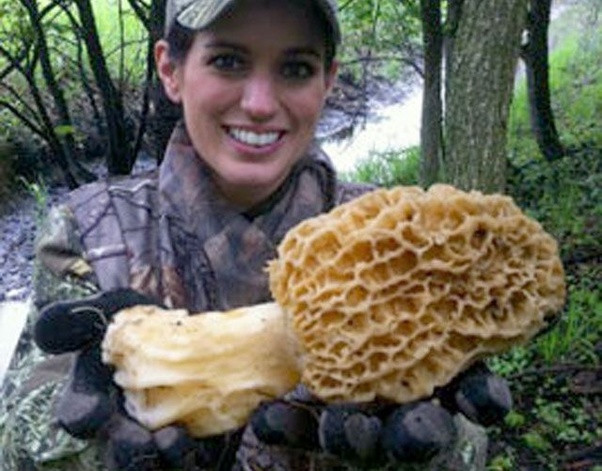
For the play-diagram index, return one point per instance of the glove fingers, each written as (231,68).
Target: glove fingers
(130,447)
(229,443)
(417,432)
(479,394)
(485,399)
(175,446)
(286,423)
(66,326)
(350,433)
(180,451)
(86,403)
(69,326)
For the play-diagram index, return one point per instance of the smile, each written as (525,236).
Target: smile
(253,138)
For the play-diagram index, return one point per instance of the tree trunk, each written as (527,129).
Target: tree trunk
(535,56)
(119,156)
(431,127)
(485,49)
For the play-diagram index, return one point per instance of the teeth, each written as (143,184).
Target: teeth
(252,138)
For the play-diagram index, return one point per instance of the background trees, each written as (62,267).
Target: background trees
(534,53)
(77,89)
(79,76)
(481,41)
(432,109)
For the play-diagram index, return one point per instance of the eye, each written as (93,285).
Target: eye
(227,62)
(298,70)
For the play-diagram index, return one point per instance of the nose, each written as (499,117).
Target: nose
(260,97)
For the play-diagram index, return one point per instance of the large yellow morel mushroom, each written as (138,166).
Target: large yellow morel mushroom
(388,296)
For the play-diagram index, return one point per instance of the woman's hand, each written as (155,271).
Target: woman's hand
(376,433)
(91,406)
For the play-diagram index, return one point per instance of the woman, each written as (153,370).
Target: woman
(241,169)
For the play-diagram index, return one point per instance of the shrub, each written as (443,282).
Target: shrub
(390,168)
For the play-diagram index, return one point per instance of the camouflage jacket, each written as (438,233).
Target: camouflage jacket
(170,235)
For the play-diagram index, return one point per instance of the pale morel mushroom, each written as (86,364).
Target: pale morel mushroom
(388,296)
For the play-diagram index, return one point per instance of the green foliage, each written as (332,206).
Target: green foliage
(554,424)
(565,425)
(511,362)
(12,24)
(30,101)
(514,419)
(379,34)
(19,156)
(502,462)
(64,130)
(565,195)
(39,190)
(576,89)
(133,56)
(533,439)
(575,335)
(551,419)
(388,168)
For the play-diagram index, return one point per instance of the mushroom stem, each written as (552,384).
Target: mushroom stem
(207,372)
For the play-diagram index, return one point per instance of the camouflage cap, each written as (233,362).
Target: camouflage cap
(198,14)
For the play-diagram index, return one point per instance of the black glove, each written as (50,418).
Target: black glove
(372,434)
(92,405)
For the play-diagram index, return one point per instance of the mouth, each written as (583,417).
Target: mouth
(252,138)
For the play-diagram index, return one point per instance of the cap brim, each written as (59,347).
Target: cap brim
(199,15)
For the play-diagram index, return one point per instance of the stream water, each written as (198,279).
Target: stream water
(388,127)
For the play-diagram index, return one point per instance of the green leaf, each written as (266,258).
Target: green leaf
(515,419)
(64,130)
(501,463)
(536,441)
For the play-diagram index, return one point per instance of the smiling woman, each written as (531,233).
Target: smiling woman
(252,87)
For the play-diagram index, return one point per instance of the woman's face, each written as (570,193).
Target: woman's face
(252,89)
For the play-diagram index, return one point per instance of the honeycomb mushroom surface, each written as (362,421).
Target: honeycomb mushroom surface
(396,292)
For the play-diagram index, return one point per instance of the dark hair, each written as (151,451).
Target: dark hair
(180,39)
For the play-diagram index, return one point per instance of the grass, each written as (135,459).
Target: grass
(388,168)
(576,83)
(575,336)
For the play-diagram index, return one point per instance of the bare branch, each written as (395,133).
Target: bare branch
(142,12)
(19,98)
(24,119)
